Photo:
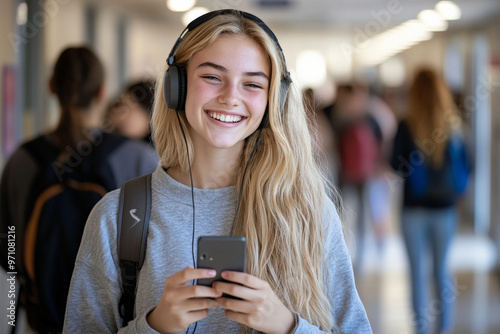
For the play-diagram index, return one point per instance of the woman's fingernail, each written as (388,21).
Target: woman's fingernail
(211,272)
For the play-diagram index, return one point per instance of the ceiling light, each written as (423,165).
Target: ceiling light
(193,14)
(22,14)
(433,20)
(180,5)
(416,31)
(448,10)
(311,68)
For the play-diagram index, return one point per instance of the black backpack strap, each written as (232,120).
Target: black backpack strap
(41,149)
(133,222)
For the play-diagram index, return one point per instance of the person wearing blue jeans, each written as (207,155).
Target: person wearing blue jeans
(430,231)
(430,157)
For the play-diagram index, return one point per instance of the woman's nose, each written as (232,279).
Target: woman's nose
(229,95)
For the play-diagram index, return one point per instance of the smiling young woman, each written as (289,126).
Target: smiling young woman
(234,142)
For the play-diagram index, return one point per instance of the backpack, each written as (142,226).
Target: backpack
(60,206)
(359,150)
(447,182)
(133,222)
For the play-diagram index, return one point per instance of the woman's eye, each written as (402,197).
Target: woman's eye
(210,77)
(253,85)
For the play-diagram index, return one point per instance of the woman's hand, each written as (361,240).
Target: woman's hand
(181,304)
(259,308)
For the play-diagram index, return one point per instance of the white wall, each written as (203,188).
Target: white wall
(106,45)
(494,37)
(149,44)
(6,26)
(65,28)
(429,53)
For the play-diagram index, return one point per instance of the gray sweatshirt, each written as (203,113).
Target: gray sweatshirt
(96,284)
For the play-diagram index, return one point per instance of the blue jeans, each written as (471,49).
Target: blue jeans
(430,232)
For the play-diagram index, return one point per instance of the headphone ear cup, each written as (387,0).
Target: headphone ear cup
(182,88)
(169,88)
(284,85)
(174,87)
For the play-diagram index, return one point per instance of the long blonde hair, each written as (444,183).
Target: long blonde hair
(283,192)
(432,114)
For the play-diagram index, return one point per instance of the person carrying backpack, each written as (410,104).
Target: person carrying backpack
(430,155)
(236,159)
(358,137)
(50,184)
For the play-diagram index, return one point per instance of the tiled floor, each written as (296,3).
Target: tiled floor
(383,285)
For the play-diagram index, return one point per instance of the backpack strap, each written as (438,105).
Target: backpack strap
(42,150)
(133,221)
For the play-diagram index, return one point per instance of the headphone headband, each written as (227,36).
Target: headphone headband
(210,15)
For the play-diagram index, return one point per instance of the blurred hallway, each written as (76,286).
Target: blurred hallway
(384,284)
(385,292)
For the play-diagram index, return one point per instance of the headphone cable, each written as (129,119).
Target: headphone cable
(192,199)
(192,190)
(254,151)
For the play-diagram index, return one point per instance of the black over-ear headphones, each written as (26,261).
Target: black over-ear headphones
(175,78)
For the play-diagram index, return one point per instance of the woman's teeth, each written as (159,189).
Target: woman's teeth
(225,118)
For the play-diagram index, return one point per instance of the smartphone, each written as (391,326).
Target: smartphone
(221,253)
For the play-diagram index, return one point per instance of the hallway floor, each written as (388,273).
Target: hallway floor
(383,280)
(383,285)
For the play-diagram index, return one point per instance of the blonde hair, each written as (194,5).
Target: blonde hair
(432,114)
(282,195)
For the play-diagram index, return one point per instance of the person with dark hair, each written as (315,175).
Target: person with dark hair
(130,114)
(50,184)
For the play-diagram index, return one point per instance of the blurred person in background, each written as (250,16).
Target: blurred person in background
(130,114)
(50,184)
(430,155)
(378,188)
(358,144)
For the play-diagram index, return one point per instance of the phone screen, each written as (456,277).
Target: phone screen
(220,253)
